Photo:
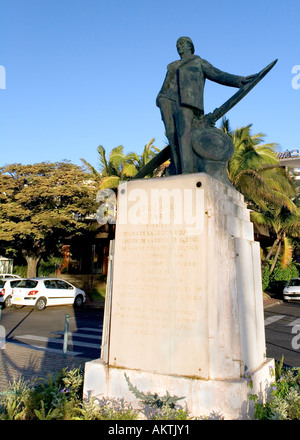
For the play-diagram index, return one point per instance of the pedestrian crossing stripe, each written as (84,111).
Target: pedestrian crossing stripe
(78,335)
(273,318)
(91,329)
(40,348)
(58,341)
(295,323)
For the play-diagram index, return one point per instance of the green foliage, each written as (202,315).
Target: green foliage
(157,407)
(48,267)
(118,166)
(108,409)
(284,274)
(97,294)
(284,401)
(265,277)
(13,402)
(59,397)
(41,204)
(52,414)
(254,170)
(153,399)
(269,189)
(276,281)
(21,271)
(56,397)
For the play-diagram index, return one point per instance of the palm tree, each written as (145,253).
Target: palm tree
(121,167)
(284,226)
(112,170)
(148,153)
(269,190)
(254,170)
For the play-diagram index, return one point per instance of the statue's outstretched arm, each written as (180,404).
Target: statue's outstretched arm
(224,78)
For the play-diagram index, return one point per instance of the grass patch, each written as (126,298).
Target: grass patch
(97,295)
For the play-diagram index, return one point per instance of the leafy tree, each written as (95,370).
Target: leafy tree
(42,204)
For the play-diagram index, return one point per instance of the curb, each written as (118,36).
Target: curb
(270,302)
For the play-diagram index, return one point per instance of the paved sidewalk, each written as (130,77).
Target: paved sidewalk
(269,301)
(18,361)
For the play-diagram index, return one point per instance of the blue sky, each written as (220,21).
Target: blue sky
(83,73)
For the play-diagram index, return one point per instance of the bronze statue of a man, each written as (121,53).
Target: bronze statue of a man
(181,101)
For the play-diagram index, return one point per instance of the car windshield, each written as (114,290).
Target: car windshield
(294,282)
(2,282)
(26,284)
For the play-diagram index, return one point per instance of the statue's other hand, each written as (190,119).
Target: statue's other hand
(246,79)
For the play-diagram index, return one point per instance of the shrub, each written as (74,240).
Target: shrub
(59,397)
(265,277)
(284,402)
(156,407)
(21,271)
(276,281)
(281,274)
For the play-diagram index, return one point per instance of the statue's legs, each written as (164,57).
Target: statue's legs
(167,114)
(183,120)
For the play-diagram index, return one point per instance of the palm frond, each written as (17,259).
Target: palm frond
(116,158)
(109,182)
(102,159)
(93,170)
(129,170)
(287,252)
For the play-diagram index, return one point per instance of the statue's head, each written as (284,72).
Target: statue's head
(184,44)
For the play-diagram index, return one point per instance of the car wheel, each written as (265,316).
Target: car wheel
(7,302)
(78,301)
(41,303)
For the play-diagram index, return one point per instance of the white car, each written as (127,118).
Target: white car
(6,289)
(44,292)
(9,275)
(292,290)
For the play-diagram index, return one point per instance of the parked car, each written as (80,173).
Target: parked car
(44,292)
(6,289)
(292,290)
(9,275)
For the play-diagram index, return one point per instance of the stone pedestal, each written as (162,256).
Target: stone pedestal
(186,310)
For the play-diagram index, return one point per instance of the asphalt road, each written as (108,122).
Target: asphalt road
(45,329)
(282,328)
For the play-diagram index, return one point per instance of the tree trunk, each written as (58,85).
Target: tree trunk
(271,250)
(275,258)
(32,265)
